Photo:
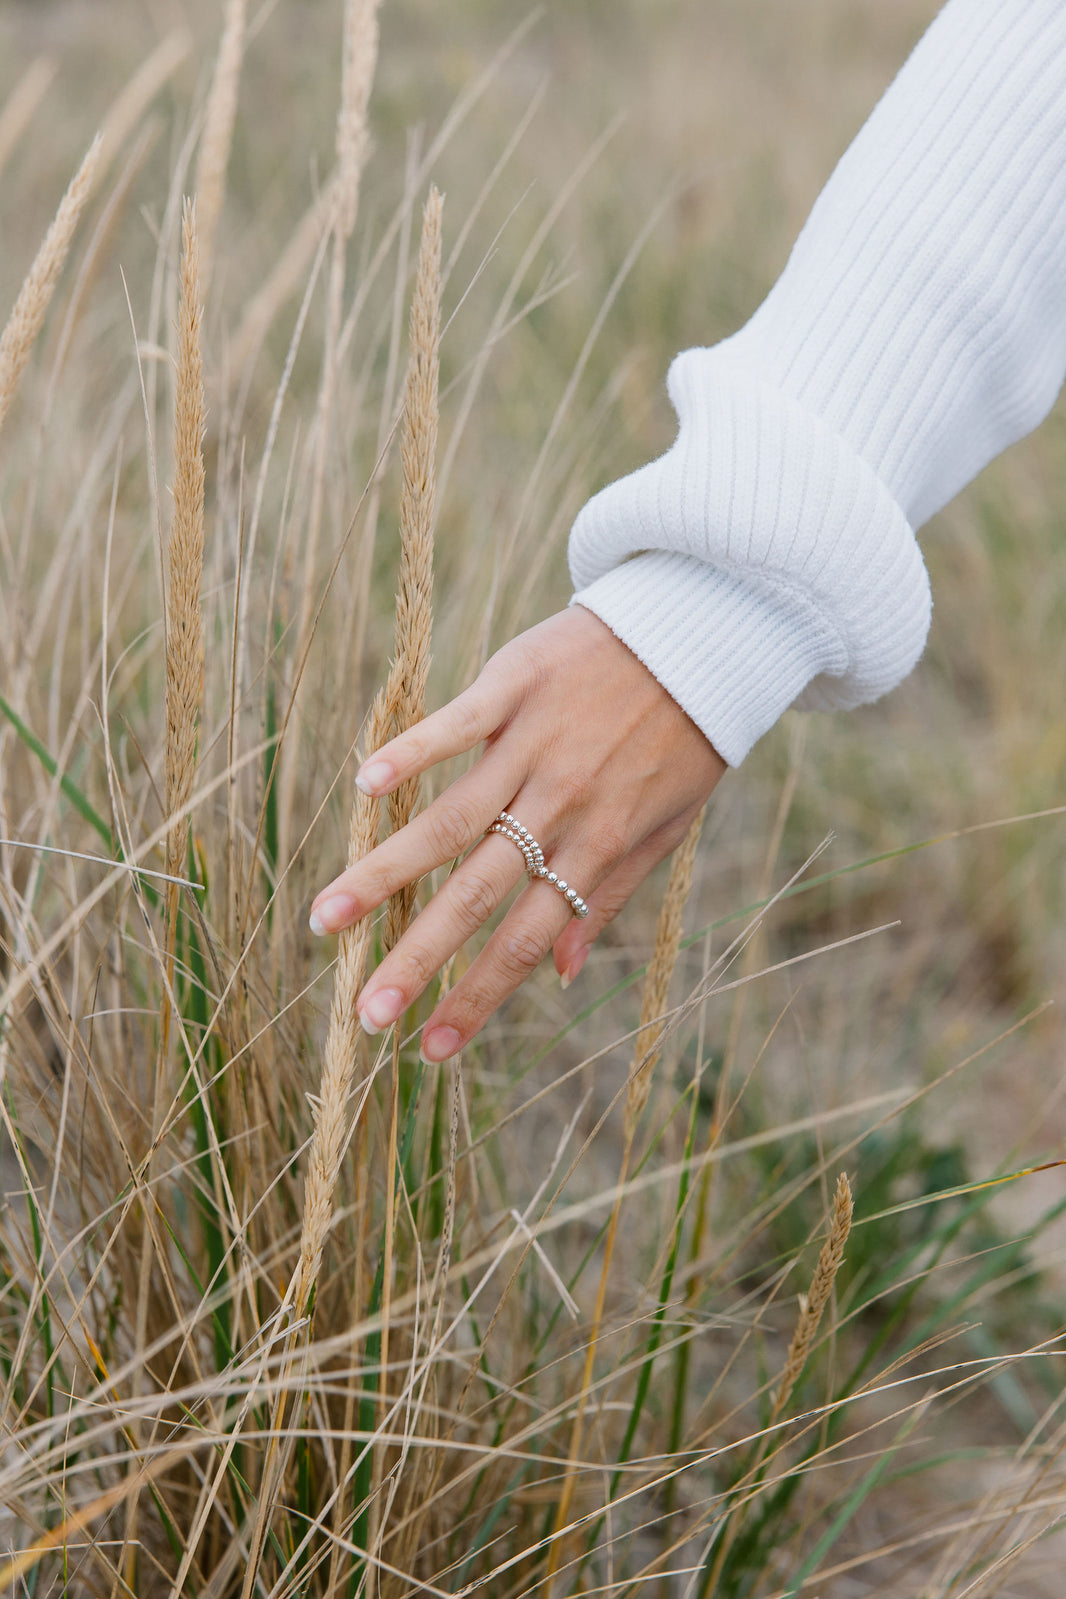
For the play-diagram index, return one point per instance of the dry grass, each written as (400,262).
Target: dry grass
(282,1311)
(35,296)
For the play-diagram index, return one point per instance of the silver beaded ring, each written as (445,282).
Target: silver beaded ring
(507,826)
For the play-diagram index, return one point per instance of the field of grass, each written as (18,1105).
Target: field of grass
(283,1312)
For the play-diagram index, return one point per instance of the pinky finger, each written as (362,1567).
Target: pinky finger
(570,950)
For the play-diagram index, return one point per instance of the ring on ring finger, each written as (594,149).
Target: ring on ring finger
(533,854)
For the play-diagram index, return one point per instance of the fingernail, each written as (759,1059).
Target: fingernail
(439,1044)
(574,967)
(381,1010)
(333,914)
(374,777)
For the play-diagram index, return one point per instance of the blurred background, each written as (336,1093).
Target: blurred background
(623,180)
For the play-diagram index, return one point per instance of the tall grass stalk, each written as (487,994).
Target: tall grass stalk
(28,313)
(220,117)
(19,107)
(645,1056)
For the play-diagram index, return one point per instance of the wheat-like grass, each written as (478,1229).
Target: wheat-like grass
(659,974)
(217,138)
(130,105)
(414,598)
(331,1106)
(812,1306)
(645,1054)
(358,62)
(185,553)
(34,298)
(331,1125)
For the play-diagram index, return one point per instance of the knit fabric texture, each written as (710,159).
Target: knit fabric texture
(919,328)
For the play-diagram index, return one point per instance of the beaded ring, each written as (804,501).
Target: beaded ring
(508,827)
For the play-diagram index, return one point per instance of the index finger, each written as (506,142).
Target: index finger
(457,727)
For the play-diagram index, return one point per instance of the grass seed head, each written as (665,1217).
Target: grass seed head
(35,296)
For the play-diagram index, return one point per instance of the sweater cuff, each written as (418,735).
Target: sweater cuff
(760,563)
(733,652)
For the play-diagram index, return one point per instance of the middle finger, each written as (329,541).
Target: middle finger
(444,830)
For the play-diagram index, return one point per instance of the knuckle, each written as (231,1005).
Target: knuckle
(521,951)
(451,827)
(475,896)
(419,967)
(608,845)
(413,752)
(467,723)
(573,790)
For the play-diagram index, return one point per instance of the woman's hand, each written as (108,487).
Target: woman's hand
(590,753)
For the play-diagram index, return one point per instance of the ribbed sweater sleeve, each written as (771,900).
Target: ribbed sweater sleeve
(919,327)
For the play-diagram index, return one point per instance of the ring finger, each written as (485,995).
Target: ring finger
(471,894)
(462,904)
(514,951)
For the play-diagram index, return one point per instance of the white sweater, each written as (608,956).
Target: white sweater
(769,558)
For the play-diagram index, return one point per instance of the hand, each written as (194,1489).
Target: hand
(590,753)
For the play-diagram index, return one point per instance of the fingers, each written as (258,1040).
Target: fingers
(613,895)
(471,894)
(457,727)
(444,830)
(512,954)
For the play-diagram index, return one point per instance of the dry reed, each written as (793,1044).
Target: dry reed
(128,108)
(414,598)
(22,102)
(358,62)
(330,1108)
(645,1055)
(659,974)
(283,280)
(360,54)
(185,555)
(812,1306)
(217,138)
(34,298)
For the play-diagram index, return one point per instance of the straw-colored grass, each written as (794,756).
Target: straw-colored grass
(217,138)
(283,1311)
(185,555)
(29,311)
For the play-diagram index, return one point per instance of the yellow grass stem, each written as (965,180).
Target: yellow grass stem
(659,974)
(283,280)
(185,553)
(358,61)
(184,686)
(645,1055)
(22,102)
(130,105)
(217,137)
(331,1109)
(35,296)
(414,599)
